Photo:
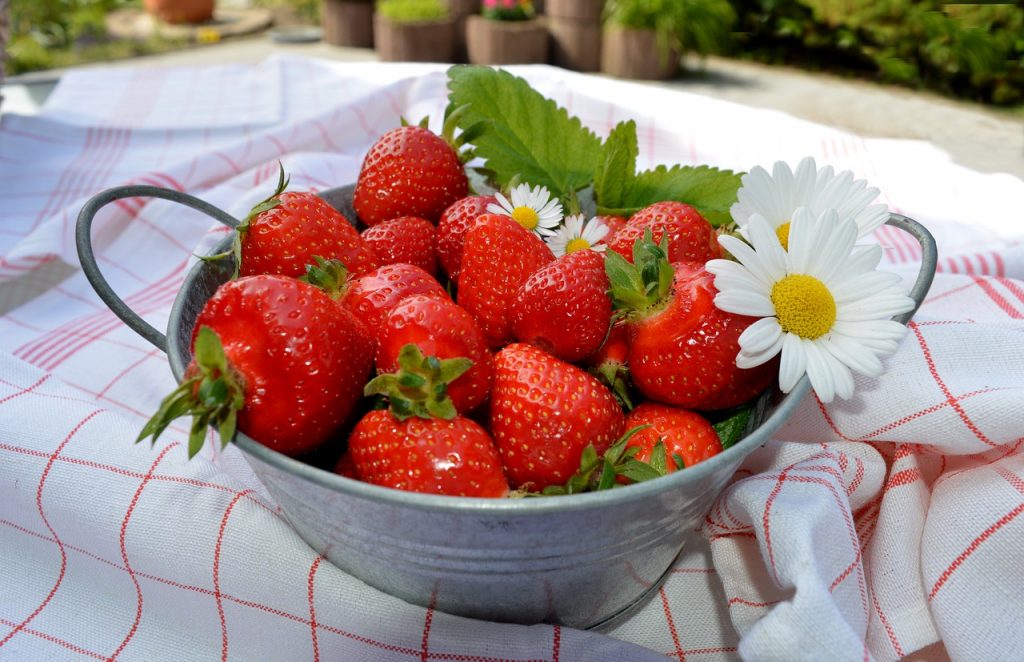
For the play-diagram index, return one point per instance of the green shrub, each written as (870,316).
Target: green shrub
(508,10)
(702,26)
(412,11)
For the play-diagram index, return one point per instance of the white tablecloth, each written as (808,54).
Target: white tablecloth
(868,529)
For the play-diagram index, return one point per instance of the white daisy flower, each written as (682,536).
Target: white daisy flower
(777,195)
(821,303)
(534,209)
(574,236)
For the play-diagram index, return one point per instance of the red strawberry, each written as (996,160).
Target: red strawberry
(409,171)
(499,255)
(283,233)
(564,308)
(683,433)
(690,236)
(276,354)
(682,349)
(609,365)
(614,223)
(372,296)
(439,328)
(544,413)
(421,444)
(452,228)
(406,239)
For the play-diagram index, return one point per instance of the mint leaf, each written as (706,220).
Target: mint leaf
(613,180)
(524,133)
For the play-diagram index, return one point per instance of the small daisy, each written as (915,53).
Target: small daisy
(534,209)
(777,195)
(575,236)
(822,304)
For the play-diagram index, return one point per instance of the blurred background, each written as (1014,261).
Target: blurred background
(966,51)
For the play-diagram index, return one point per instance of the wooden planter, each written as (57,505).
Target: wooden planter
(575,28)
(180,11)
(348,23)
(427,41)
(460,10)
(628,53)
(506,42)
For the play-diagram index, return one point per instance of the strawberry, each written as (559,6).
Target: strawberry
(283,233)
(609,365)
(438,328)
(409,171)
(406,239)
(275,356)
(452,228)
(544,413)
(420,443)
(682,349)
(686,437)
(563,307)
(690,236)
(498,256)
(614,223)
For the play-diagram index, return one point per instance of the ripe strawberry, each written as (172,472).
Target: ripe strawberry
(614,223)
(278,357)
(282,234)
(421,444)
(682,349)
(690,236)
(406,239)
(499,255)
(544,413)
(609,364)
(438,328)
(564,308)
(455,222)
(409,171)
(682,433)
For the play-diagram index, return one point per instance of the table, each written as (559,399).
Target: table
(868,528)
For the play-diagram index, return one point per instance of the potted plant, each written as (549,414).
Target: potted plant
(414,31)
(507,32)
(348,23)
(646,38)
(180,11)
(575,28)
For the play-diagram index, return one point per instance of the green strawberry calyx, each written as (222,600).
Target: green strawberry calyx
(331,276)
(615,376)
(601,472)
(420,386)
(212,395)
(642,288)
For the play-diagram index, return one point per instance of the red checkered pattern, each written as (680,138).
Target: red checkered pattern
(867,529)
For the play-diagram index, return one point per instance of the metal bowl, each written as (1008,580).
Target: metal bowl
(578,560)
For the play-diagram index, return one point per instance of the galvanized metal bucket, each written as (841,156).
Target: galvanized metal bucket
(578,560)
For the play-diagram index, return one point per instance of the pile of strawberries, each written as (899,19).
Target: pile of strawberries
(448,351)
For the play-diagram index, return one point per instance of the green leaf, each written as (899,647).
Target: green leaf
(733,427)
(659,458)
(524,133)
(197,436)
(708,189)
(209,352)
(227,427)
(616,171)
(638,471)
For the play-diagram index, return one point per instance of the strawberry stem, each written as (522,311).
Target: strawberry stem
(599,472)
(213,396)
(331,276)
(644,284)
(420,386)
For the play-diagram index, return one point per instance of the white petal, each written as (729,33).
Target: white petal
(732,275)
(841,374)
(862,260)
(503,207)
(877,307)
(805,177)
(819,372)
(745,302)
(748,258)
(793,364)
(835,247)
(864,285)
(766,244)
(747,360)
(803,234)
(854,355)
(871,219)
(761,335)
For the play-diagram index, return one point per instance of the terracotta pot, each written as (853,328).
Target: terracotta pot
(347,23)
(180,11)
(575,44)
(426,41)
(506,42)
(586,11)
(629,53)
(460,10)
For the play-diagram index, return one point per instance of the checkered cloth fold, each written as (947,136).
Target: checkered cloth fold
(866,529)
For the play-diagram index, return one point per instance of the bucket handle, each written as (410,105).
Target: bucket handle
(929,261)
(83,242)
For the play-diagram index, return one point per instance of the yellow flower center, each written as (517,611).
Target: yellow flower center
(577,244)
(526,217)
(782,232)
(804,306)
